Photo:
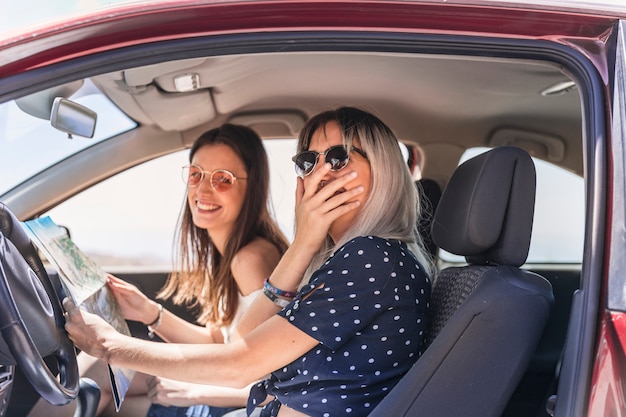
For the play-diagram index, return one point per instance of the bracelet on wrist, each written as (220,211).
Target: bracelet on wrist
(277,291)
(152,327)
(280,302)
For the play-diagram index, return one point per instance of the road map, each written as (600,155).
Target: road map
(85,282)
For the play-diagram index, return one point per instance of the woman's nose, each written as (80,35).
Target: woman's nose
(204,186)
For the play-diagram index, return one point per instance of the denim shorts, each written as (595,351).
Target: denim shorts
(157,410)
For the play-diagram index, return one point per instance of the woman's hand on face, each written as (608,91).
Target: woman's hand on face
(170,393)
(133,303)
(317,207)
(88,331)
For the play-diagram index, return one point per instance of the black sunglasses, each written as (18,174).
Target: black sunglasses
(337,156)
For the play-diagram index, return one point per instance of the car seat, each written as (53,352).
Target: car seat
(486,318)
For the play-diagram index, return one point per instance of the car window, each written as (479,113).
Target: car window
(130,233)
(558,226)
(21,132)
(129,220)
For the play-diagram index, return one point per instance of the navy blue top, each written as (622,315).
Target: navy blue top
(367,306)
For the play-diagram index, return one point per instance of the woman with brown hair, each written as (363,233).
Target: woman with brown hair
(228,245)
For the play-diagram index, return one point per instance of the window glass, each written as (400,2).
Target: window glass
(129,220)
(137,211)
(559,222)
(21,132)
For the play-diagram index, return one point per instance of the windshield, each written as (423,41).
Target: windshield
(22,134)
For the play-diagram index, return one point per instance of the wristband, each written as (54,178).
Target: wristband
(280,302)
(155,324)
(277,291)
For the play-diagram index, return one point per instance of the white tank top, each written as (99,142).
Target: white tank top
(243,302)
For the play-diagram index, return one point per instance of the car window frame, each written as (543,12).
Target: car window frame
(577,362)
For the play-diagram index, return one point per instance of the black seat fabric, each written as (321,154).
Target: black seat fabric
(486,318)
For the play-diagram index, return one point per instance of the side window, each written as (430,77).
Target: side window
(558,226)
(129,220)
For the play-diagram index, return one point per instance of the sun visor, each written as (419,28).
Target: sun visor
(176,111)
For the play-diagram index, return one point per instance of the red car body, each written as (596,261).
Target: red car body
(31,56)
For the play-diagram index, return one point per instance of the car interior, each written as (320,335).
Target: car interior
(441,95)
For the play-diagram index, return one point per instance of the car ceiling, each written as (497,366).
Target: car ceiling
(443,103)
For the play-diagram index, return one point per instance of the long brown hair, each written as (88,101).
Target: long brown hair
(202,276)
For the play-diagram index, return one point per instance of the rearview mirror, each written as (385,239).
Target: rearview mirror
(72,118)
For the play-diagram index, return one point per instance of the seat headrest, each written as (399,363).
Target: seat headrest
(486,211)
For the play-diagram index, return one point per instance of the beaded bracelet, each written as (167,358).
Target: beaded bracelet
(155,324)
(277,291)
(280,302)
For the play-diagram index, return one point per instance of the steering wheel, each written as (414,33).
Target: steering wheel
(31,316)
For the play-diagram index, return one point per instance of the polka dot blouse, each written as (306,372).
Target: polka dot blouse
(367,306)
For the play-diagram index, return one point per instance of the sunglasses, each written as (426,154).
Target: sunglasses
(221,179)
(337,156)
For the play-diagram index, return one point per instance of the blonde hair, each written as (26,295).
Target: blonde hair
(392,207)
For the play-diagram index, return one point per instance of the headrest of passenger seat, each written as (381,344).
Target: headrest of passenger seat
(486,210)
